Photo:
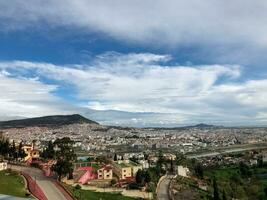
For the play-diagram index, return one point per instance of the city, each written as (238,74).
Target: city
(133,100)
(132,162)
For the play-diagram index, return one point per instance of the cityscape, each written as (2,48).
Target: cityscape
(133,100)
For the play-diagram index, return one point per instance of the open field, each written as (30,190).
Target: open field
(87,194)
(11,183)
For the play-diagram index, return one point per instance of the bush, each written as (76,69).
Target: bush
(77,187)
(133,186)
(113,182)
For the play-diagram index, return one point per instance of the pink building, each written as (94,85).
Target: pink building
(88,175)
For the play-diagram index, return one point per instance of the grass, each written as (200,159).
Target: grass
(124,164)
(92,195)
(11,183)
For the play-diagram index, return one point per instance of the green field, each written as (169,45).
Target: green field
(11,183)
(87,194)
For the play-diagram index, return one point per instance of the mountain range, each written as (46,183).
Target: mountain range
(59,120)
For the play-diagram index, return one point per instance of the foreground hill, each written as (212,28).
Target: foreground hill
(56,120)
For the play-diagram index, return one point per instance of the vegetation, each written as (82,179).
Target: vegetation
(10,151)
(238,182)
(65,156)
(11,183)
(55,120)
(80,194)
(49,152)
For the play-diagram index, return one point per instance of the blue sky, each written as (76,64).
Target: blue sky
(135,63)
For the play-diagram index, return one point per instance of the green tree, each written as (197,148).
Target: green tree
(64,156)
(115,157)
(215,190)
(147,177)
(62,167)
(4,147)
(49,152)
(139,177)
(198,169)
(21,152)
(13,151)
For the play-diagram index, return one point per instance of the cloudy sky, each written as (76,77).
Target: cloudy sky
(135,63)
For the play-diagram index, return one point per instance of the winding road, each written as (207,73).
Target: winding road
(47,185)
(163,188)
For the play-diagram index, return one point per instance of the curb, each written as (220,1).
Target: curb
(64,191)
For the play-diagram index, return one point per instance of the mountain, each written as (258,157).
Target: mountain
(56,120)
(204,126)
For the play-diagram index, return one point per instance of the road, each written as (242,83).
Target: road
(225,151)
(45,183)
(163,188)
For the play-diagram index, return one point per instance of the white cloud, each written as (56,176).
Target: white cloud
(28,98)
(144,83)
(167,22)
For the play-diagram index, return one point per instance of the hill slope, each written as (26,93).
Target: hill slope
(56,120)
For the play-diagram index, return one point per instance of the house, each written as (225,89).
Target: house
(182,171)
(169,156)
(31,153)
(125,168)
(3,165)
(105,172)
(87,174)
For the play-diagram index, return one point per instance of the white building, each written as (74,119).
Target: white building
(182,171)
(3,166)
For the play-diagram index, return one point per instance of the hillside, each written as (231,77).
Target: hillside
(56,120)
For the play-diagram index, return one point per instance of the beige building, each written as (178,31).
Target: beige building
(105,173)
(182,171)
(126,169)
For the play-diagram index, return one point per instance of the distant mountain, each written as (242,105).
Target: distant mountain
(199,126)
(204,126)
(56,120)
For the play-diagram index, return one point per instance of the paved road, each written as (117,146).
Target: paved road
(7,197)
(163,188)
(45,183)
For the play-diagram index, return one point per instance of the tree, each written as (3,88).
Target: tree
(172,167)
(21,152)
(147,177)
(139,177)
(62,167)
(13,151)
(115,157)
(4,147)
(65,156)
(215,190)
(244,169)
(49,152)
(199,170)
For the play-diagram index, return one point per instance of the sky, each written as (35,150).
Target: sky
(135,63)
